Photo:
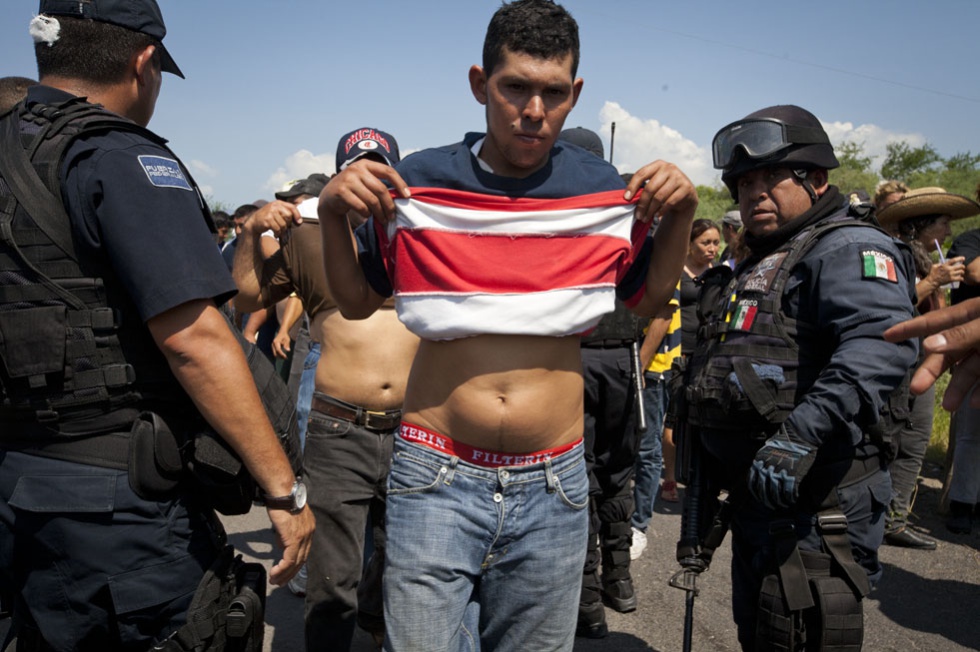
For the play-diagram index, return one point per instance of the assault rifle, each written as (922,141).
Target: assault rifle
(702,528)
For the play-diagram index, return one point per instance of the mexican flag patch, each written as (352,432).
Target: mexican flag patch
(744,315)
(876,264)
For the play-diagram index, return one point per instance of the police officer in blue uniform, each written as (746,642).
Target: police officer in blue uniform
(112,350)
(792,393)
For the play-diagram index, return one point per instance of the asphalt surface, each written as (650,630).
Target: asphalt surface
(926,600)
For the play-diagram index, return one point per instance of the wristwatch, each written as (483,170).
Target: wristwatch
(294,502)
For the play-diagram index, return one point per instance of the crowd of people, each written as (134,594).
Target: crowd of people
(482,443)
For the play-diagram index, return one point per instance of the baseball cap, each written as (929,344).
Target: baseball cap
(137,15)
(366,141)
(732,218)
(584,138)
(311,185)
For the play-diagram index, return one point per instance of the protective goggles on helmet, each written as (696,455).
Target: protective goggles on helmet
(760,138)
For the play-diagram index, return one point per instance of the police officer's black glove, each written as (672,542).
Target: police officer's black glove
(779,468)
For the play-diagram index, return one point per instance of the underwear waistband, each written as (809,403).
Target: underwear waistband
(477,456)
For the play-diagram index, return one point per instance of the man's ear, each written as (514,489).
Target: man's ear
(478,84)
(819,179)
(576,90)
(144,63)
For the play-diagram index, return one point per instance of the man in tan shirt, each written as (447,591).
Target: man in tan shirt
(359,389)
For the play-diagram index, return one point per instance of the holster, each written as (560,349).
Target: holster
(834,621)
(155,464)
(217,469)
(227,611)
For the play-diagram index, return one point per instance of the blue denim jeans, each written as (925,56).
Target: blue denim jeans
(650,461)
(510,540)
(305,396)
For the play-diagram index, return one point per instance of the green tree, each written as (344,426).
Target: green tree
(713,202)
(903,161)
(855,169)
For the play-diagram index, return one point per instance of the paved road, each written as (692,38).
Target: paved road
(926,601)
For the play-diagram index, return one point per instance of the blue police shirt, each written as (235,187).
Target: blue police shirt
(829,289)
(133,203)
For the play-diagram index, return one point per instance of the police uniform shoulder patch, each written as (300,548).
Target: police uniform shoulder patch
(878,265)
(164,172)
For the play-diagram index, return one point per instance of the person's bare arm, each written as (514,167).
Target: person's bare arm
(253,251)
(358,189)
(669,194)
(255,321)
(208,362)
(291,313)
(655,334)
(950,271)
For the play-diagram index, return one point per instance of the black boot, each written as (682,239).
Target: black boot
(619,595)
(591,613)
(960,519)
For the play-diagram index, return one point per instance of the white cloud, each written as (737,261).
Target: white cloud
(872,138)
(200,168)
(639,141)
(300,165)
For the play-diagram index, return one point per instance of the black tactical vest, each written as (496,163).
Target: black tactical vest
(748,371)
(621,324)
(72,345)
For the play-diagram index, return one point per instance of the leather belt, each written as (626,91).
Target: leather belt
(370,419)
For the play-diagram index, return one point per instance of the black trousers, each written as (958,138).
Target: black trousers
(611,446)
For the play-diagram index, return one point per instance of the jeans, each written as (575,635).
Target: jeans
(510,540)
(911,442)
(650,461)
(305,395)
(347,469)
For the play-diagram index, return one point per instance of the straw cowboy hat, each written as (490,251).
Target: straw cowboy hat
(928,201)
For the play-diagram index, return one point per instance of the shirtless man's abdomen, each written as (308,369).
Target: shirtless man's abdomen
(507,393)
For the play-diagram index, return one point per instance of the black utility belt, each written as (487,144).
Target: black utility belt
(608,344)
(109,450)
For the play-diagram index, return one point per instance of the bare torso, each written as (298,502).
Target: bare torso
(508,393)
(364,362)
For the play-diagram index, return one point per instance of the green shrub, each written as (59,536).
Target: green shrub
(936,452)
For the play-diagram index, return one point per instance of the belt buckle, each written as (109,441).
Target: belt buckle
(370,416)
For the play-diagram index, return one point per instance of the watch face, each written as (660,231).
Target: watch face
(300,498)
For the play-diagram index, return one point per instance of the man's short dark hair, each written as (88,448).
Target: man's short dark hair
(244,211)
(92,51)
(13,90)
(540,28)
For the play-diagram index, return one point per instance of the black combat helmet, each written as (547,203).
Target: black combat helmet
(784,136)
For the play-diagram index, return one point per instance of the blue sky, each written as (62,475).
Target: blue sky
(271,86)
